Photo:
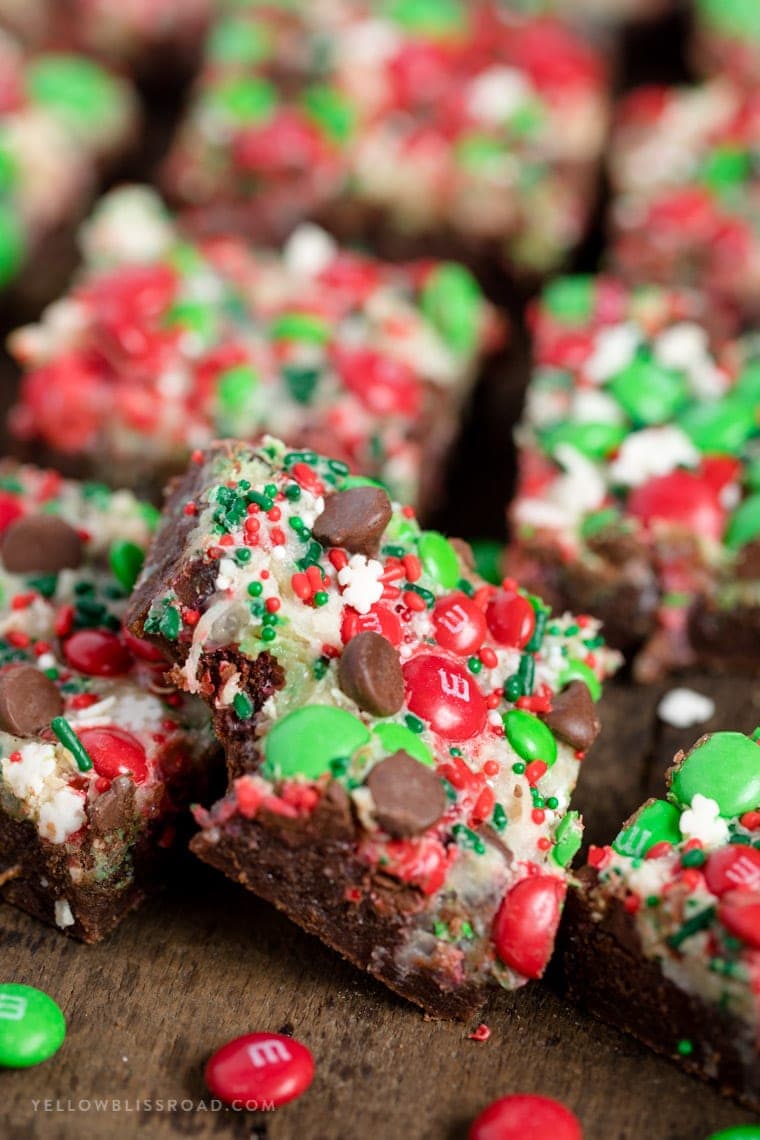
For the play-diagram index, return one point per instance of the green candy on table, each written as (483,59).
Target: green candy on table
(32,1026)
(576,670)
(567,839)
(738,1132)
(720,427)
(126,561)
(649,393)
(570,299)
(247,100)
(725,768)
(658,822)
(75,87)
(744,524)
(733,17)
(452,301)
(594,440)
(530,737)
(397,737)
(12,244)
(439,558)
(305,741)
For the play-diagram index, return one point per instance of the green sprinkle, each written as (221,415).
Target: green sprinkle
(255,589)
(474,664)
(169,623)
(499,817)
(268,634)
(243,554)
(518,768)
(692,926)
(694,858)
(685,1047)
(465,837)
(414,723)
(321,598)
(69,739)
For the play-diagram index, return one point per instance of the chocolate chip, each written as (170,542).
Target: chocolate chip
(573,717)
(40,544)
(408,796)
(369,673)
(28,700)
(113,809)
(354,519)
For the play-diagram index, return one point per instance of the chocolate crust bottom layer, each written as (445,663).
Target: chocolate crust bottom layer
(35,874)
(308,876)
(602,969)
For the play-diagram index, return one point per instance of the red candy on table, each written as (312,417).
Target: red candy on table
(527,922)
(115,752)
(443,693)
(526,1117)
(511,619)
(732,867)
(460,625)
(260,1067)
(97,653)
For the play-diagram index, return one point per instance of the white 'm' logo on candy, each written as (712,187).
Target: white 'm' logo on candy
(12,1007)
(268,1053)
(454,619)
(744,873)
(454,685)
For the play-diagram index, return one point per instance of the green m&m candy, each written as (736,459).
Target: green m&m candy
(576,670)
(738,1132)
(239,41)
(452,301)
(720,427)
(396,737)
(744,524)
(725,768)
(12,244)
(305,741)
(567,839)
(248,100)
(306,327)
(331,111)
(657,822)
(488,555)
(748,381)
(32,1026)
(726,167)
(649,393)
(429,17)
(439,558)
(594,440)
(530,737)
(570,299)
(733,17)
(73,86)
(126,561)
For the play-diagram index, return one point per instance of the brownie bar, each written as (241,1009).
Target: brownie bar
(470,122)
(661,935)
(402,739)
(64,121)
(99,757)
(685,192)
(636,494)
(163,345)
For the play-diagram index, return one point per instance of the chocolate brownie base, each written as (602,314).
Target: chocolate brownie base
(309,871)
(602,969)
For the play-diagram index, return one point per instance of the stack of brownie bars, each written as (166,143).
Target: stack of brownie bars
(289,342)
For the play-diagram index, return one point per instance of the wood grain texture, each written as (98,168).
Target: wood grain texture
(205,962)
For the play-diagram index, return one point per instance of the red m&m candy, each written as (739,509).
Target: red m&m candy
(739,911)
(511,619)
(732,867)
(115,752)
(524,1117)
(98,653)
(377,620)
(527,922)
(258,1068)
(681,498)
(444,694)
(459,624)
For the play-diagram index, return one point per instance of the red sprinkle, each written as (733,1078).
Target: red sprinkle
(482,1033)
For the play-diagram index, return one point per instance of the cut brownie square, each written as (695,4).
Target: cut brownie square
(98,755)
(637,498)
(467,128)
(63,120)
(402,739)
(164,345)
(727,39)
(662,934)
(686,205)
